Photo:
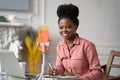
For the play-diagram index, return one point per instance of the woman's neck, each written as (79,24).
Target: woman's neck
(70,41)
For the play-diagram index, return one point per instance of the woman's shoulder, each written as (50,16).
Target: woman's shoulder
(82,40)
(87,44)
(85,41)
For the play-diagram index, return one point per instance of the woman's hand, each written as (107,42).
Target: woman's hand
(68,74)
(52,72)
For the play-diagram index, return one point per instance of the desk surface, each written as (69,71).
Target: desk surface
(8,77)
(61,78)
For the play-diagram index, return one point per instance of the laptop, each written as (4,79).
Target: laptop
(10,64)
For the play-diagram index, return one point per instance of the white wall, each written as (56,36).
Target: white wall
(99,23)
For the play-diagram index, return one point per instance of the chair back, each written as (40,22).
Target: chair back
(110,62)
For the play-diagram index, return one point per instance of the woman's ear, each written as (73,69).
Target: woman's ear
(76,26)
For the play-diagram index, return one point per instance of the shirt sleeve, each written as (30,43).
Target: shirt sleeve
(58,66)
(95,72)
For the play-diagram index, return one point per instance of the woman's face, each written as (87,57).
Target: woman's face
(67,28)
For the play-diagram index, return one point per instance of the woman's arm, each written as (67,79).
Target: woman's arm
(58,66)
(95,72)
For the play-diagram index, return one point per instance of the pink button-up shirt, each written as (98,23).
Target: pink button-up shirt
(82,59)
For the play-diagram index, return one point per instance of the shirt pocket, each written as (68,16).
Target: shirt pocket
(64,61)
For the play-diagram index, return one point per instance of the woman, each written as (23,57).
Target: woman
(75,55)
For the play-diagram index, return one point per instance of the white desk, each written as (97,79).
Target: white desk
(8,77)
(62,78)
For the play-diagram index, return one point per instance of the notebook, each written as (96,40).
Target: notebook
(10,64)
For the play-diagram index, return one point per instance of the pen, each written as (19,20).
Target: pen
(48,61)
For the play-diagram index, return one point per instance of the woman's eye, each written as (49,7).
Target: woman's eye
(60,27)
(69,26)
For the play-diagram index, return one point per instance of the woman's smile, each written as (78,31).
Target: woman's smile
(65,34)
(67,28)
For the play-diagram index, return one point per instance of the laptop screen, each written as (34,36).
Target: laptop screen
(10,64)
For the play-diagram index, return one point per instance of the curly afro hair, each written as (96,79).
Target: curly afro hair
(68,11)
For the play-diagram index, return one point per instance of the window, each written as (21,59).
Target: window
(19,5)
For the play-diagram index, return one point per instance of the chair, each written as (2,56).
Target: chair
(106,68)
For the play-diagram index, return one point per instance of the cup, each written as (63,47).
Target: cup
(23,65)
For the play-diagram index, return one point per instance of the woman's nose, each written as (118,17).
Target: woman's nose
(64,29)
